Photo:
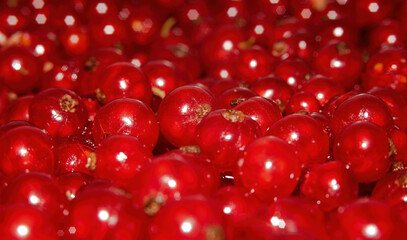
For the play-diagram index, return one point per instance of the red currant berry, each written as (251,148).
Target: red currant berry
(60,112)
(180,112)
(120,80)
(358,142)
(223,134)
(269,168)
(128,117)
(25,148)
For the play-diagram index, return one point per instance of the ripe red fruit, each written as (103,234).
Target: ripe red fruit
(269,168)
(323,88)
(386,68)
(119,158)
(367,219)
(223,134)
(361,107)
(20,153)
(128,117)
(191,218)
(72,154)
(167,178)
(70,183)
(273,88)
(24,221)
(60,112)
(261,110)
(306,135)
(181,111)
(225,98)
(295,217)
(341,62)
(20,69)
(330,185)
(163,76)
(123,79)
(38,189)
(103,213)
(361,141)
(252,63)
(302,102)
(18,109)
(391,188)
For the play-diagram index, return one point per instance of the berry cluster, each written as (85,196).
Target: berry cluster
(203,119)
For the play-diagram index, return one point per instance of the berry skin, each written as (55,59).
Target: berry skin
(223,134)
(38,189)
(60,112)
(72,154)
(269,168)
(306,135)
(103,213)
(123,79)
(24,221)
(192,218)
(19,153)
(367,219)
(341,62)
(361,141)
(119,158)
(261,110)
(181,111)
(20,69)
(330,185)
(361,107)
(128,117)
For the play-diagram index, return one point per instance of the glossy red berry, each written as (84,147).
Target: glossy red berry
(387,68)
(302,102)
(18,109)
(253,63)
(103,213)
(37,189)
(361,107)
(396,103)
(330,185)
(192,218)
(24,221)
(367,219)
(75,40)
(63,74)
(225,99)
(269,168)
(358,142)
(119,158)
(273,88)
(163,76)
(167,178)
(261,110)
(223,134)
(73,154)
(294,71)
(181,111)
(70,182)
(295,217)
(93,64)
(120,80)
(19,153)
(128,117)
(306,135)
(340,61)
(60,112)
(20,69)
(323,88)
(391,188)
